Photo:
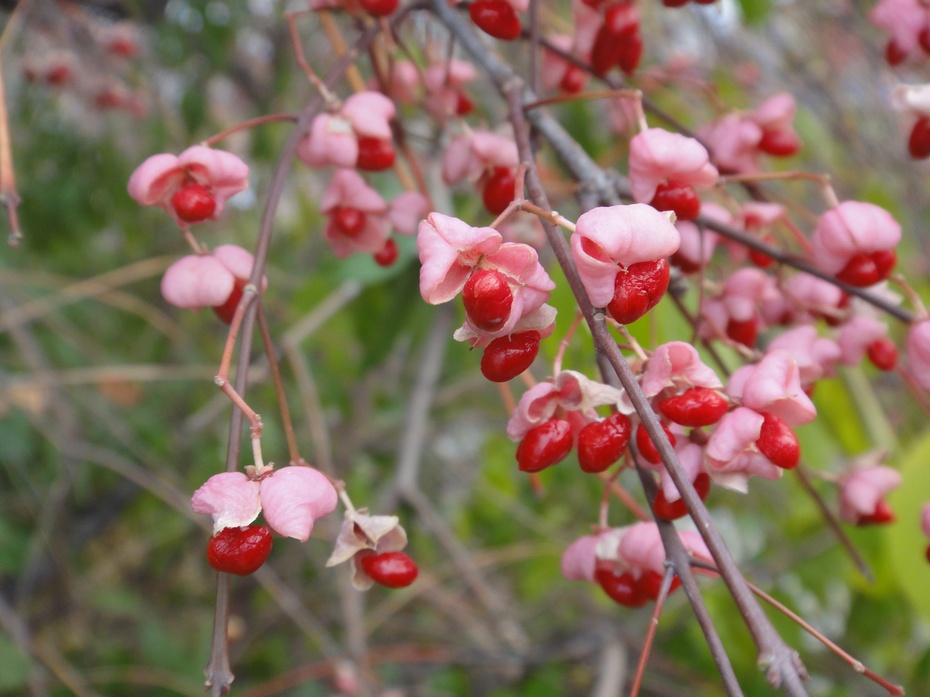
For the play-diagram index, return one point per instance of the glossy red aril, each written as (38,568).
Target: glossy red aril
(508,356)
(379,8)
(374,154)
(239,551)
(350,221)
(622,588)
(865,270)
(883,354)
(697,406)
(638,289)
(779,443)
(498,190)
(675,3)
(678,197)
(193,203)
(918,145)
(780,142)
(573,80)
(495,17)
(463,105)
(488,299)
(894,54)
(391,569)
(631,51)
(761,259)
(650,583)
(545,445)
(227,310)
(923,39)
(387,255)
(673,510)
(601,443)
(647,448)
(743,332)
(880,516)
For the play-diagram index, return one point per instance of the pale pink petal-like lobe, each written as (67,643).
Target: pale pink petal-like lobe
(193,282)
(775,387)
(231,498)
(293,498)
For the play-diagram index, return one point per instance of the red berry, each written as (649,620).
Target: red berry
(488,299)
(675,3)
(761,259)
(745,332)
(684,264)
(508,356)
(894,54)
(496,17)
(918,145)
(391,569)
(239,551)
(678,197)
(705,2)
(638,289)
(883,353)
(227,310)
(880,516)
(673,510)
(868,269)
(923,38)
(778,443)
(621,588)
(58,74)
(781,142)
(123,47)
(545,445)
(601,443)
(193,203)
(647,448)
(350,221)
(697,406)
(631,51)
(605,53)
(374,154)
(387,255)
(379,8)
(498,190)
(621,20)
(651,581)
(573,80)
(463,105)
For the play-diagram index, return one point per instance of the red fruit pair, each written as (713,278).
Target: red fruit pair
(508,356)
(678,197)
(601,443)
(497,18)
(647,448)
(193,203)
(673,510)
(779,443)
(865,270)
(391,569)
(695,407)
(629,591)
(239,551)
(545,445)
(374,154)
(618,42)
(638,289)
(488,299)
(498,189)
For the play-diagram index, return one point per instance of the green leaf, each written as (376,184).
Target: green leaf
(755,11)
(14,667)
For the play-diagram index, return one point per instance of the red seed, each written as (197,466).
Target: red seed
(601,443)
(496,17)
(638,289)
(679,197)
(673,510)
(391,569)
(350,221)
(865,270)
(647,448)
(498,190)
(379,8)
(621,588)
(697,406)
(374,154)
(779,443)
(193,203)
(918,144)
(488,299)
(388,254)
(508,356)
(883,353)
(880,516)
(545,445)
(239,551)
